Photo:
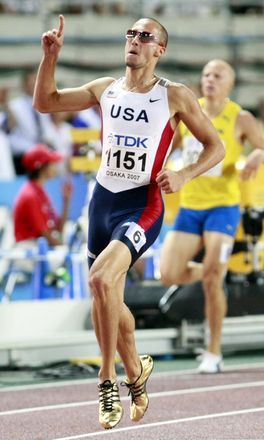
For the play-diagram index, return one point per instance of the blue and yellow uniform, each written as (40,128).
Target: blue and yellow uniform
(211,201)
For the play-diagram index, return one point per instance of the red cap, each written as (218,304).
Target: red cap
(38,156)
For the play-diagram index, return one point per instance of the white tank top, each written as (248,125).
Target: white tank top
(136,135)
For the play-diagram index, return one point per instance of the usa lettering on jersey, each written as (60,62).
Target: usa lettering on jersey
(129,114)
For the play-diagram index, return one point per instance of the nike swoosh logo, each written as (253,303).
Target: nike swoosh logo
(154,100)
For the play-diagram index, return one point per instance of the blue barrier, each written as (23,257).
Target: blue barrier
(66,282)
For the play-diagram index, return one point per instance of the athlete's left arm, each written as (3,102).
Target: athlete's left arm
(252,164)
(185,107)
(248,129)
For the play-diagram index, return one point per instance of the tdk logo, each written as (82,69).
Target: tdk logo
(121,140)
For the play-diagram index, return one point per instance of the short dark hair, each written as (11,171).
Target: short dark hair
(163,31)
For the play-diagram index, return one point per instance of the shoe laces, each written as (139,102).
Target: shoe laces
(108,395)
(135,390)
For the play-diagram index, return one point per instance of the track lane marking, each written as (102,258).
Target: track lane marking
(167,422)
(151,396)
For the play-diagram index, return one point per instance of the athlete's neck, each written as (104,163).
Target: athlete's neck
(136,83)
(213,107)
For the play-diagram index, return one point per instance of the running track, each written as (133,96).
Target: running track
(183,406)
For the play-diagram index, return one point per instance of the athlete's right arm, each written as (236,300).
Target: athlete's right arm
(47,98)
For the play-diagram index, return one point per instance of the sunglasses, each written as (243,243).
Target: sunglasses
(144,36)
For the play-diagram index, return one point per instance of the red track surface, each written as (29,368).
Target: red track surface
(183,406)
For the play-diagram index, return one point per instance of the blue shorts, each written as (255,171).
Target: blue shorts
(223,219)
(134,217)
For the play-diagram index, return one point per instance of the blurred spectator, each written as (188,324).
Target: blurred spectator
(7,120)
(7,170)
(118,8)
(101,7)
(20,7)
(28,129)
(245,7)
(57,134)
(89,118)
(34,215)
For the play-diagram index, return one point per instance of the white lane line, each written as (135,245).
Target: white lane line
(208,389)
(167,422)
(65,383)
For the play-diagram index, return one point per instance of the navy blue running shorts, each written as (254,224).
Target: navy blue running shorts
(133,216)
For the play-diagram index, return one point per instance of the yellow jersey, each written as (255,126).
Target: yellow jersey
(219,186)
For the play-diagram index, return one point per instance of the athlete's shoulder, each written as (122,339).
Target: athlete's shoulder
(179,90)
(182,99)
(105,79)
(245,119)
(164,82)
(243,116)
(103,82)
(99,84)
(174,88)
(177,87)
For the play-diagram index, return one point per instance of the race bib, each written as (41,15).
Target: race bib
(136,235)
(129,157)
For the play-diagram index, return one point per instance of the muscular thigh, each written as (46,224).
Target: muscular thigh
(113,262)
(177,250)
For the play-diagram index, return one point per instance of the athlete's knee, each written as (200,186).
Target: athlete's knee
(169,277)
(212,281)
(165,276)
(99,284)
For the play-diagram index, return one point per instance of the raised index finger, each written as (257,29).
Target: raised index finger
(61,28)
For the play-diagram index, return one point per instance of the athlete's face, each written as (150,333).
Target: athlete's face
(143,44)
(217,80)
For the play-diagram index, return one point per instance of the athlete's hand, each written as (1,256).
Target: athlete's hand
(170,181)
(252,164)
(52,41)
